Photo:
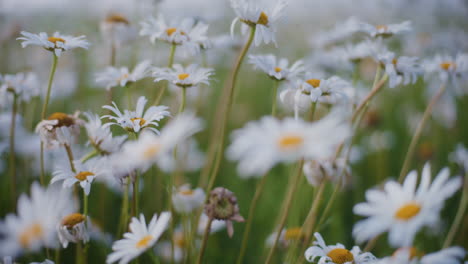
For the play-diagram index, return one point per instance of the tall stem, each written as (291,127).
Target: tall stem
(135,210)
(309,223)
(205,240)
(184,98)
(377,87)
(44,110)
(70,157)
(253,206)
(169,65)
(124,209)
(419,129)
(12,150)
(288,202)
(274,99)
(459,216)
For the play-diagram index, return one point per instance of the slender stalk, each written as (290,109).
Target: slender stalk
(253,206)
(153,256)
(184,99)
(124,209)
(288,202)
(135,209)
(274,99)
(12,150)
(43,113)
(89,156)
(419,129)
(85,205)
(369,97)
(129,96)
(57,255)
(313,107)
(113,54)
(169,65)
(459,216)
(205,240)
(70,157)
(309,224)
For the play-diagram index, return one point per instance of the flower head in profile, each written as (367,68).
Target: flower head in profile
(113,77)
(59,129)
(336,254)
(260,145)
(117,29)
(34,225)
(100,136)
(57,43)
(261,15)
(140,238)
(72,228)
(402,209)
(222,205)
(329,169)
(22,85)
(411,255)
(287,236)
(186,200)
(84,174)
(184,77)
(403,70)
(135,121)
(385,31)
(447,68)
(277,69)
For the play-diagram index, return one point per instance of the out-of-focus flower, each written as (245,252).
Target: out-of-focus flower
(113,77)
(263,16)
(164,248)
(331,169)
(261,145)
(117,29)
(140,238)
(216,225)
(183,77)
(385,30)
(135,121)
(449,68)
(452,255)
(22,85)
(186,200)
(287,236)
(188,158)
(72,228)
(337,254)
(401,209)
(57,43)
(100,136)
(402,70)
(460,157)
(277,69)
(46,261)
(34,226)
(341,31)
(222,205)
(59,129)
(331,90)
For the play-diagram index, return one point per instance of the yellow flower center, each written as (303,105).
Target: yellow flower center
(124,76)
(447,65)
(413,252)
(314,82)
(31,233)
(293,233)
(408,211)
(144,241)
(72,220)
(55,40)
(278,69)
(179,240)
(63,119)
(151,151)
(290,141)
(117,18)
(183,76)
(340,255)
(83,175)
(394,62)
(263,19)
(171,31)
(140,120)
(186,192)
(382,27)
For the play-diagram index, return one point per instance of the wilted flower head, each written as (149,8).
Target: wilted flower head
(72,228)
(59,129)
(57,43)
(222,205)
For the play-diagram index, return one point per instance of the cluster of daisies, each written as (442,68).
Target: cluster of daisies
(317,105)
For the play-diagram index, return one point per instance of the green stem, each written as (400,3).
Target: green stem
(135,209)
(85,205)
(169,65)
(253,206)
(70,157)
(129,95)
(205,240)
(90,155)
(153,256)
(284,216)
(376,88)
(309,223)
(313,107)
(274,99)
(12,150)
(184,98)
(459,216)
(124,210)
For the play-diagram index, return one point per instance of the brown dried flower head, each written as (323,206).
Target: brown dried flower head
(222,205)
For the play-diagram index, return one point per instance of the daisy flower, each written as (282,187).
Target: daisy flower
(401,209)
(72,228)
(117,29)
(140,238)
(183,77)
(149,148)
(113,77)
(84,175)
(216,225)
(57,43)
(339,32)
(385,31)
(329,169)
(189,158)
(59,129)
(100,136)
(402,70)
(337,254)
(452,255)
(263,16)
(448,67)
(260,145)
(135,121)
(287,236)
(164,248)
(185,33)
(22,85)
(34,226)
(186,200)
(296,98)
(277,69)
(330,91)
(460,157)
